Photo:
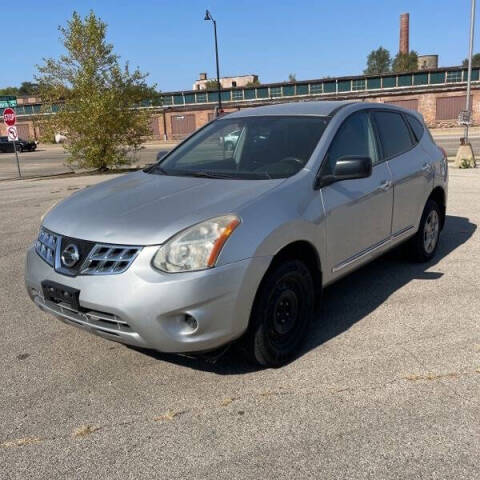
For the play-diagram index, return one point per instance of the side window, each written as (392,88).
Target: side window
(355,137)
(393,133)
(417,127)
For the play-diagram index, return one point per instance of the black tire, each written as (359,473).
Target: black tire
(281,315)
(19,149)
(421,248)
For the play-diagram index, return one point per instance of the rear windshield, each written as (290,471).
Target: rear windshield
(248,148)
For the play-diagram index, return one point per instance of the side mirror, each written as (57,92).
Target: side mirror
(347,168)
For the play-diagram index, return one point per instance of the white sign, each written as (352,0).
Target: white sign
(464,117)
(12,134)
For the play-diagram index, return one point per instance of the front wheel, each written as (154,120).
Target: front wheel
(425,243)
(281,315)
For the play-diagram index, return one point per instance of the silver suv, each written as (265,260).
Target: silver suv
(213,244)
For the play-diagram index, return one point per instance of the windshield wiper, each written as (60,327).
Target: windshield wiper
(156,168)
(204,174)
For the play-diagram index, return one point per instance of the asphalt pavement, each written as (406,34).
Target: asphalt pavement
(50,159)
(450,143)
(387,386)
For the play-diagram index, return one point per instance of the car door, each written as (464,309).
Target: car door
(411,170)
(358,212)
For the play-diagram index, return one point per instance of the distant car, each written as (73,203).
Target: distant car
(231,139)
(22,145)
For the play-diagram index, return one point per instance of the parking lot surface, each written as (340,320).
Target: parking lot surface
(50,159)
(387,386)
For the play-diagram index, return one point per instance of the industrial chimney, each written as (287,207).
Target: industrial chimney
(404,32)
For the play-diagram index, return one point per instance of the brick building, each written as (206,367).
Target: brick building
(438,94)
(226,82)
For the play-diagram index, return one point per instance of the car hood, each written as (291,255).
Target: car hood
(147,209)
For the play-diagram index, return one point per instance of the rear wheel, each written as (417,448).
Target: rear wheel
(281,315)
(425,243)
(19,148)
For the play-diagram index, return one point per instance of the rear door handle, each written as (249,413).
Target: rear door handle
(384,186)
(426,167)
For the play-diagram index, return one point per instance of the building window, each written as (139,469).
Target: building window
(234,83)
(316,88)
(455,76)
(358,84)
(201,97)
(275,91)
(237,94)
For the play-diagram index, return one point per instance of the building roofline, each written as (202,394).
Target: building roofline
(322,79)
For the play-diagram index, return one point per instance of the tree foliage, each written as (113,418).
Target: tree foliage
(292,77)
(26,88)
(254,83)
(475,61)
(94,96)
(405,62)
(211,85)
(378,61)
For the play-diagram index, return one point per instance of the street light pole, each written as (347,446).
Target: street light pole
(208,16)
(469,74)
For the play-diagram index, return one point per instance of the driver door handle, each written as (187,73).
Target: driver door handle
(385,186)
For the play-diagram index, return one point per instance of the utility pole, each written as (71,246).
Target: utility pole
(208,16)
(469,74)
(465,157)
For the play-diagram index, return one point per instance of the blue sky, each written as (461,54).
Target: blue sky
(170,40)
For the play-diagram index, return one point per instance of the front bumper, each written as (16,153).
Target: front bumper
(147,308)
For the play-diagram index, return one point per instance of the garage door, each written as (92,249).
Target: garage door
(448,108)
(182,125)
(155,127)
(411,104)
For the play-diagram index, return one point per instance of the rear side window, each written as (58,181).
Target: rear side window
(417,127)
(393,132)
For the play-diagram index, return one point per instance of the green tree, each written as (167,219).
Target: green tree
(475,61)
(28,88)
(378,61)
(94,97)
(255,83)
(292,77)
(405,62)
(9,91)
(211,85)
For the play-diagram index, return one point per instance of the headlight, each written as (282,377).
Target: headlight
(197,247)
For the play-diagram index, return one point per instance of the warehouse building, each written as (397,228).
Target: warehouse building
(438,94)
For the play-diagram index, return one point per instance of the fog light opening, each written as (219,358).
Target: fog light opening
(191,322)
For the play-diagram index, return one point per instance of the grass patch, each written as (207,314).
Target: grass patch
(169,416)
(20,442)
(84,430)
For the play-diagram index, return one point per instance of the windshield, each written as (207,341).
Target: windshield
(248,148)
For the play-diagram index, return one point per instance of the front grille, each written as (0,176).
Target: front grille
(101,322)
(95,258)
(108,259)
(46,246)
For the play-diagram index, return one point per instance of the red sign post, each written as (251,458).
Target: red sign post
(9,117)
